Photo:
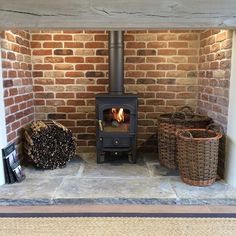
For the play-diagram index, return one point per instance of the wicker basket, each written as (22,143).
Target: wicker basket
(221,154)
(168,124)
(198,156)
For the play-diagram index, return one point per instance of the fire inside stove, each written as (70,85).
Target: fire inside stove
(118,115)
(116,120)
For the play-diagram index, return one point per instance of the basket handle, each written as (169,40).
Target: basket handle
(178,114)
(185,132)
(188,133)
(215,127)
(187,110)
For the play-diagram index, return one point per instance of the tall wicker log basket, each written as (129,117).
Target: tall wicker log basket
(198,156)
(168,124)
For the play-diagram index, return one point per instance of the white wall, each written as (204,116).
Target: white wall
(230,173)
(3,136)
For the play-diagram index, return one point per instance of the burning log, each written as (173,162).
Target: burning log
(48,144)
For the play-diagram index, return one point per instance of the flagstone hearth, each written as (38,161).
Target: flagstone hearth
(83,181)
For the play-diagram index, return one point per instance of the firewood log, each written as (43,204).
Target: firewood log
(48,144)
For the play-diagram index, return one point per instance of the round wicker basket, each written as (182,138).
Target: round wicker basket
(198,156)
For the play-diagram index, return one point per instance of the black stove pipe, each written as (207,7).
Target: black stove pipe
(116,62)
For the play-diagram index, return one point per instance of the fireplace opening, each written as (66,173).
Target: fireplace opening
(57,74)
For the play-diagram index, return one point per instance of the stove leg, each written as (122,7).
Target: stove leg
(134,154)
(132,157)
(100,157)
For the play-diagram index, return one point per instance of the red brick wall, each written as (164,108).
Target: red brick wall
(17,82)
(214,74)
(214,77)
(70,67)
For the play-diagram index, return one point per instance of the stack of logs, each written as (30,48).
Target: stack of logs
(48,144)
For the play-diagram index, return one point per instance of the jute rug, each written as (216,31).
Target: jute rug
(115,225)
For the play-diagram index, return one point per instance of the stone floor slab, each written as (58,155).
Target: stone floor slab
(156,169)
(219,190)
(88,157)
(115,188)
(30,190)
(114,170)
(71,169)
(149,157)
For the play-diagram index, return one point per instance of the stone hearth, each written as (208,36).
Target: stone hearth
(85,182)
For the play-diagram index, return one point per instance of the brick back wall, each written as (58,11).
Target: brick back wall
(17,82)
(161,66)
(214,78)
(70,67)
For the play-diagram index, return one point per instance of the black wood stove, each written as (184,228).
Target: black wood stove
(116,112)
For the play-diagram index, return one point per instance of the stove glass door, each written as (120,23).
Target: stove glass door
(116,119)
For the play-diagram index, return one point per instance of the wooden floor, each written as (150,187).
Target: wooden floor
(118,209)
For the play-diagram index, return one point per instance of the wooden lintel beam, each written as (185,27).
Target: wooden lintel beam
(117,14)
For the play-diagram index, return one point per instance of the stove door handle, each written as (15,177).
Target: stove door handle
(100,125)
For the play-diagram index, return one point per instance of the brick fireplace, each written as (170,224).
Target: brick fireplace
(56,74)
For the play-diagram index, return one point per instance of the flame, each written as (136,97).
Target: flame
(119,116)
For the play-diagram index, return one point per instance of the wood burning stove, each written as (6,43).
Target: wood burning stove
(116,112)
(116,125)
